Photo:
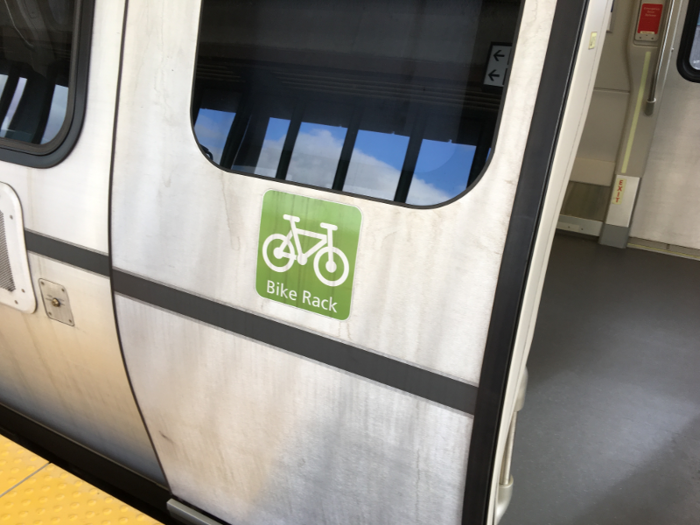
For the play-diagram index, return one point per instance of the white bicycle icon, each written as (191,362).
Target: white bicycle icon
(289,250)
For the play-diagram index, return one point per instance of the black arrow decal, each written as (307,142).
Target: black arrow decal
(498,55)
(493,74)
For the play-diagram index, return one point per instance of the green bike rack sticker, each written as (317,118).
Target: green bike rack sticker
(306,253)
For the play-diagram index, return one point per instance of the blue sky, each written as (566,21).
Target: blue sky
(441,171)
(57,113)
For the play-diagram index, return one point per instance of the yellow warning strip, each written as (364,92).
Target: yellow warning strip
(52,496)
(637,109)
(16,464)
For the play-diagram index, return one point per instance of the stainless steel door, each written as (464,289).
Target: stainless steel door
(264,413)
(71,379)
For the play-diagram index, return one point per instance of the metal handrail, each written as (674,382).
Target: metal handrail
(651,101)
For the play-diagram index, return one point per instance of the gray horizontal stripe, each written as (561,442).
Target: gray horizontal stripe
(402,376)
(417,381)
(67,253)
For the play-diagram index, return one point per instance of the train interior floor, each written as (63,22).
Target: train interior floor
(610,430)
(36,492)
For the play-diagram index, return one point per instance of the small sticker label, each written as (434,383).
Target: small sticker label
(306,253)
(619,190)
(497,66)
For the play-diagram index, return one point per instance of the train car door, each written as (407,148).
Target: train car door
(330,225)
(63,385)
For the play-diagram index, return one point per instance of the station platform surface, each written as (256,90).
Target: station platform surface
(34,491)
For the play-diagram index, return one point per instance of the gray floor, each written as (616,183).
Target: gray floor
(610,432)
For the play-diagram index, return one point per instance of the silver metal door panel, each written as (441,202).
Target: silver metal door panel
(429,275)
(70,200)
(72,379)
(667,208)
(257,436)
(238,417)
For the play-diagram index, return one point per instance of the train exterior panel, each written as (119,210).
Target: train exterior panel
(300,246)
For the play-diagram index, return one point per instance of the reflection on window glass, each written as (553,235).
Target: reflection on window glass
(271,150)
(695,50)
(316,154)
(382,98)
(376,163)
(212,124)
(212,128)
(35,67)
(439,173)
(14,102)
(57,114)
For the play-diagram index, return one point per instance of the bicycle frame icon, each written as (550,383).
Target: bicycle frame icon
(290,248)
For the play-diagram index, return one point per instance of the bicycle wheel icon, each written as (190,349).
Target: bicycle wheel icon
(281,249)
(322,263)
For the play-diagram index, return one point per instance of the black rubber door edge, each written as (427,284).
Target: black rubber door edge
(690,24)
(522,231)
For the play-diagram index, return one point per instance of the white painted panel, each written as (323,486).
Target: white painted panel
(16,288)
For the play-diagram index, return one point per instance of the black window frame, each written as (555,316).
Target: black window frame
(686,45)
(53,152)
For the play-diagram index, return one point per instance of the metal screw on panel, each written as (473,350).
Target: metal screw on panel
(55,302)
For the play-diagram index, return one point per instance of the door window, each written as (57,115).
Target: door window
(388,99)
(39,76)
(689,52)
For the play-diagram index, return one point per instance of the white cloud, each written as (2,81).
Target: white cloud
(423,193)
(315,159)
(57,113)
(212,132)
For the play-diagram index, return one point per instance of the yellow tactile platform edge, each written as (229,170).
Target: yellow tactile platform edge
(52,496)
(16,464)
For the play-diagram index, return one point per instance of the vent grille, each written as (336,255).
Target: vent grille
(6,280)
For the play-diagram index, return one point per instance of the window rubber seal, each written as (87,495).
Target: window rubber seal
(53,152)
(686,45)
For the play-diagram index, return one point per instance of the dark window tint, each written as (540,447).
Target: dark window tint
(695,48)
(689,52)
(379,98)
(35,66)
